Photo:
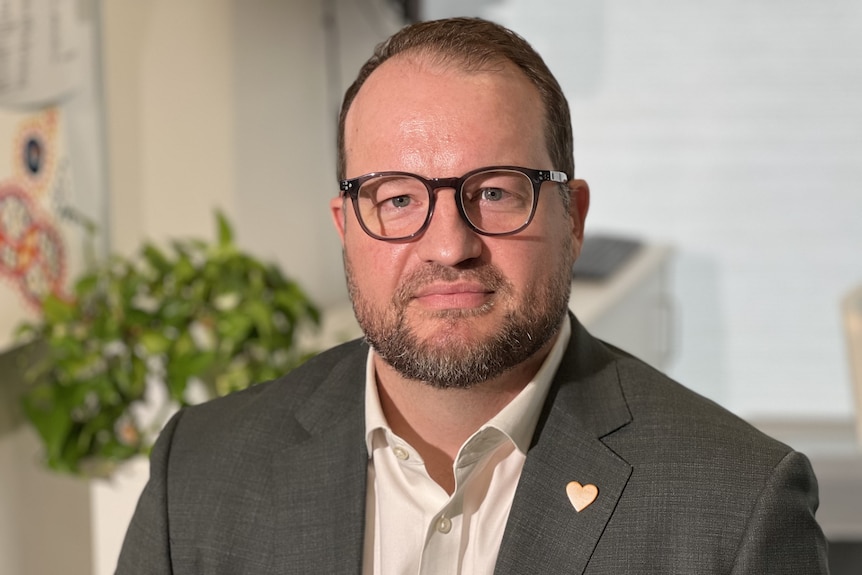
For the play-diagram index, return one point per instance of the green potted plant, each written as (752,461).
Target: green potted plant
(138,335)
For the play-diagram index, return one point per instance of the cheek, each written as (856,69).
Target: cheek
(533,261)
(377,267)
(520,260)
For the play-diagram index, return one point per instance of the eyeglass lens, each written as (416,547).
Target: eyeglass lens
(495,201)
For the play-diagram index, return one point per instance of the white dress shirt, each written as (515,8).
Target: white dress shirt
(412,524)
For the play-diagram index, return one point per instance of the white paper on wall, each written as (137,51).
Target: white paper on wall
(38,51)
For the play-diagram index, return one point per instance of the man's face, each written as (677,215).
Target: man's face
(454,308)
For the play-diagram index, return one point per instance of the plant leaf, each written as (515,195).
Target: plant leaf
(225,232)
(156,258)
(57,310)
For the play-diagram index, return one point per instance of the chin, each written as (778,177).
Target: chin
(468,321)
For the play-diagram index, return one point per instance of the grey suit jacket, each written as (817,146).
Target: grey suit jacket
(272,480)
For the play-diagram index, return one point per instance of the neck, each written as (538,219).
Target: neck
(437,422)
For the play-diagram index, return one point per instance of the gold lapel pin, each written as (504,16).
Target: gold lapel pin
(581,496)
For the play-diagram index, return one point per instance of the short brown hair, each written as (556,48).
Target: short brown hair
(475,44)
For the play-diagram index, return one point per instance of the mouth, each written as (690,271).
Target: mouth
(453,296)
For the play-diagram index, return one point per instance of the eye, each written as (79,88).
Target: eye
(400,201)
(492,194)
(393,193)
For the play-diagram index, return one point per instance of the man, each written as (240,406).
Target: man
(483,430)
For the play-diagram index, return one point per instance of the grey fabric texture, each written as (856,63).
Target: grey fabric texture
(272,480)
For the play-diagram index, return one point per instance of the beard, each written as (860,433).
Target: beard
(445,359)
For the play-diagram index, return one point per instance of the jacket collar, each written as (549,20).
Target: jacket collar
(545,534)
(320,482)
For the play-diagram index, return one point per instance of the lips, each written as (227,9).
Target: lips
(443,287)
(453,296)
(449,289)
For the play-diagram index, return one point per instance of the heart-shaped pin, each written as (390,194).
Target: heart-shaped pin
(581,496)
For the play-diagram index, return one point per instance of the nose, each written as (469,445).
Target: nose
(448,240)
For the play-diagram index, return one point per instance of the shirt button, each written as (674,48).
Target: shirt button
(444,525)
(401,453)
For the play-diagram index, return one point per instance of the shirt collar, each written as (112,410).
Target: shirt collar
(517,420)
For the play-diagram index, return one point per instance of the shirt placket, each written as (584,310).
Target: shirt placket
(444,543)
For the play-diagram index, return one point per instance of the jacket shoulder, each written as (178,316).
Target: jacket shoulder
(264,407)
(683,424)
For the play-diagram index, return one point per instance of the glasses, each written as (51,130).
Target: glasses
(493,201)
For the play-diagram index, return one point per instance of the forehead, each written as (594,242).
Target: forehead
(416,105)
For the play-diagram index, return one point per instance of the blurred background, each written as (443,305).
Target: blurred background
(729,133)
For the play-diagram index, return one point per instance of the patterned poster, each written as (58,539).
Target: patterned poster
(35,186)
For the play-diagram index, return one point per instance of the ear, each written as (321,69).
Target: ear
(579,205)
(338,211)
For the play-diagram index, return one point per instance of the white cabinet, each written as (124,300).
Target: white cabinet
(632,309)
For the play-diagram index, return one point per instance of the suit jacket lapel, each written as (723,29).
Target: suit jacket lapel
(545,534)
(322,499)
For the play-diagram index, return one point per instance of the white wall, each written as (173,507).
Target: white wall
(169,96)
(292,67)
(732,130)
